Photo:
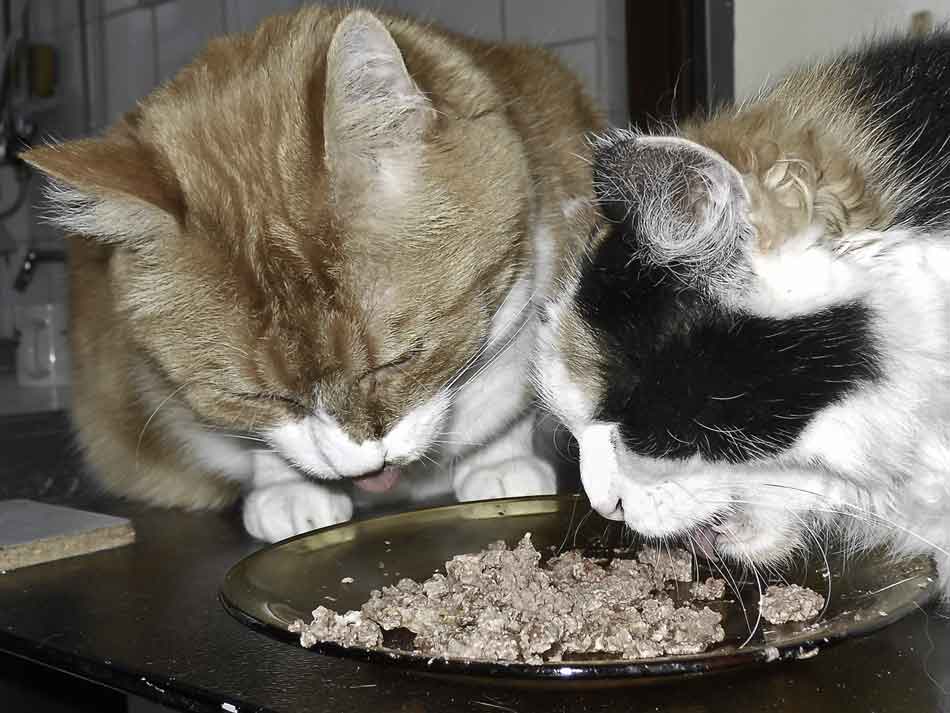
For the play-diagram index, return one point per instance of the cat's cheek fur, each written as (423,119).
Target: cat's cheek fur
(414,433)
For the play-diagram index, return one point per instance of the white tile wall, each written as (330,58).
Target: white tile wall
(612,45)
(146,44)
(49,15)
(582,58)
(108,7)
(183,28)
(135,44)
(546,22)
(484,19)
(128,60)
(244,15)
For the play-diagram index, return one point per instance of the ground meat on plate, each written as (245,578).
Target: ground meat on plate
(781,604)
(349,629)
(711,589)
(502,605)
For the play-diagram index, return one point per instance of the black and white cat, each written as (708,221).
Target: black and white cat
(756,348)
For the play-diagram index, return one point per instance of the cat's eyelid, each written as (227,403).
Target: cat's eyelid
(269,396)
(398,361)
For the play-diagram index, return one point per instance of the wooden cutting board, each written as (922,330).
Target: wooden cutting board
(32,533)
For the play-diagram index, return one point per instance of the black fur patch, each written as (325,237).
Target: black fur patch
(907,83)
(685,376)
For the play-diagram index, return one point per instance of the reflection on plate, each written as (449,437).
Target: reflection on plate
(287,580)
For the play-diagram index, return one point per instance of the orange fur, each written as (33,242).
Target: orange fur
(241,256)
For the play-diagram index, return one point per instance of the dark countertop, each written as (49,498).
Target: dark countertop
(145,619)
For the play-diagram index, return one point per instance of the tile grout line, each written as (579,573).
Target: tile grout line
(153,17)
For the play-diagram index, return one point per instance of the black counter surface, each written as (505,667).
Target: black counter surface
(146,620)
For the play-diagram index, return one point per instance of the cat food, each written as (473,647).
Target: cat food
(792,603)
(502,605)
(712,588)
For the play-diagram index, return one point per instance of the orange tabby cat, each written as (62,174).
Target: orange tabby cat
(315,255)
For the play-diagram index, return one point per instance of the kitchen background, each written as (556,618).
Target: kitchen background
(130,46)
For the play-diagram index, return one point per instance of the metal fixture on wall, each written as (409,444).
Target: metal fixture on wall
(30,262)
(679,58)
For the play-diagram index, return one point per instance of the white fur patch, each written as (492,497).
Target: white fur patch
(568,401)
(414,433)
(544,266)
(494,389)
(220,453)
(800,277)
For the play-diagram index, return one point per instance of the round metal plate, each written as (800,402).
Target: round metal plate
(285,581)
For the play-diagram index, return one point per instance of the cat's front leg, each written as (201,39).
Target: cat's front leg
(505,467)
(282,503)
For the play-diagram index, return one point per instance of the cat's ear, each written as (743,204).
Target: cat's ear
(684,204)
(111,189)
(373,110)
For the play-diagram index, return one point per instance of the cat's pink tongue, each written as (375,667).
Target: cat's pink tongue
(380,481)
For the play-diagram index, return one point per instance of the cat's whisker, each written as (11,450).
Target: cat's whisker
(570,524)
(507,344)
(810,531)
(727,575)
(453,442)
(224,434)
(148,421)
(425,457)
(695,564)
(579,526)
(669,554)
(478,352)
(758,617)
(758,580)
(501,350)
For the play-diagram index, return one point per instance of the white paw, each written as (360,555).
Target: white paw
(279,511)
(517,477)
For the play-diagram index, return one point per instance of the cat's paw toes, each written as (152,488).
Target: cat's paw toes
(518,477)
(280,511)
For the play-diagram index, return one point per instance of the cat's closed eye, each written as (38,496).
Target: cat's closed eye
(401,360)
(269,397)
(395,364)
